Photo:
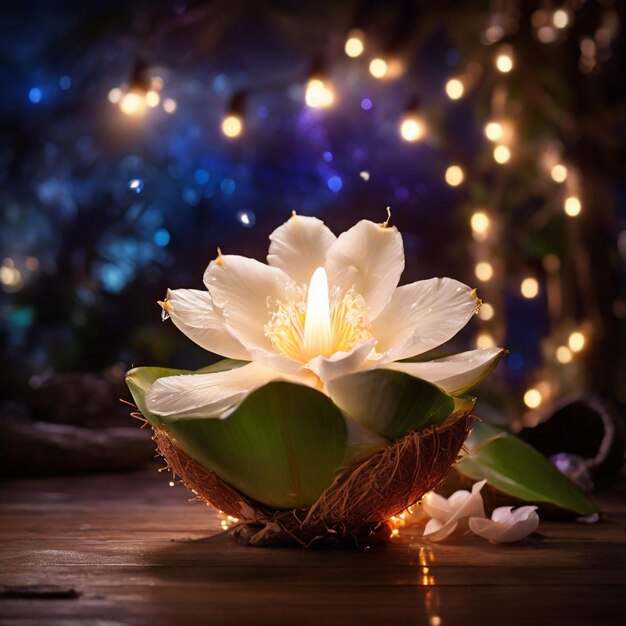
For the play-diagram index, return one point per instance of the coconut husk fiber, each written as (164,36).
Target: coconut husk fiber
(355,508)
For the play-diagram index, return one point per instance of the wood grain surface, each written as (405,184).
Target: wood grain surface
(128,549)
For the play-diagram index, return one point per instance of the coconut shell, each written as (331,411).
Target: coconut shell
(355,507)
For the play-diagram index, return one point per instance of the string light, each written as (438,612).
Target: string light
(378,68)
(483,271)
(564,354)
(485,341)
(558,173)
(355,43)
(501,154)
(455,89)
(132,103)
(560,18)
(504,59)
(232,124)
(454,175)
(572,206)
(529,288)
(494,131)
(486,312)
(412,127)
(576,341)
(152,98)
(318,94)
(480,224)
(533,398)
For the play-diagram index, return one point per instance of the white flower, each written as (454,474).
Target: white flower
(506,524)
(453,514)
(323,310)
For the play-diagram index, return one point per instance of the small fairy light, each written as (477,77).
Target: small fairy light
(232,126)
(483,271)
(115,95)
(411,128)
(170,105)
(455,89)
(564,355)
(533,398)
(394,533)
(529,288)
(572,206)
(454,175)
(480,224)
(576,341)
(355,44)
(365,175)
(485,341)
(501,154)
(132,103)
(494,131)
(153,98)
(560,18)
(378,68)
(318,94)
(171,483)
(504,60)
(558,173)
(486,312)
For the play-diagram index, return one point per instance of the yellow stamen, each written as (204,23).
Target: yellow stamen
(166,307)
(386,222)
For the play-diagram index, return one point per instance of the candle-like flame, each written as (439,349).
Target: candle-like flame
(318,336)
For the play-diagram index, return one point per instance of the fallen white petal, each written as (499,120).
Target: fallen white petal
(462,506)
(193,313)
(455,374)
(242,288)
(422,316)
(206,395)
(506,525)
(377,255)
(299,247)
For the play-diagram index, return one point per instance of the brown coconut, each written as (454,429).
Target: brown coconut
(355,507)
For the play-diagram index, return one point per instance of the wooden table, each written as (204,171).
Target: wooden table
(128,549)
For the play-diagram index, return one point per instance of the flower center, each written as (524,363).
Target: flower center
(315,321)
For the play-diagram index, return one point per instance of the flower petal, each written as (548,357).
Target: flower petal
(206,395)
(242,288)
(341,363)
(506,525)
(437,506)
(193,313)
(470,505)
(299,247)
(455,374)
(422,316)
(377,254)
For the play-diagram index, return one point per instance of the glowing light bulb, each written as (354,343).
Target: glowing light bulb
(486,312)
(501,154)
(454,175)
(355,44)
(483,271)
(558,173)
(533,398)
(484,341)
(572,206)
(318,94)
(529,288)
(455,89)
(412,128)
(564,354)
(494,131)
(115,95)
(480,224)
(170,105)
(504,60)
(132,103)
(576,341)
(232,125)
(560,18)
(152,98)
(378,67)
(317,328)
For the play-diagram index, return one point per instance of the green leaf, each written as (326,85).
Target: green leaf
(517,469)
(282,446)
(391,403)
(139,380)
